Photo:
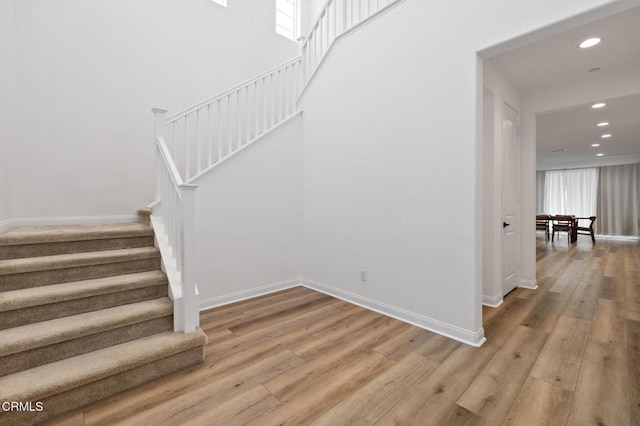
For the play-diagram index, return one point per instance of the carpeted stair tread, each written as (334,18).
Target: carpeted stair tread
(49,332)
(54,378)
(55,293)
(52,234)
(63,261)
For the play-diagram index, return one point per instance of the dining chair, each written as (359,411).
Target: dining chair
(586,230)
(562,223)
(542,224)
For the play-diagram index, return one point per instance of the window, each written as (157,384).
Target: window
(220,2)
(287,21)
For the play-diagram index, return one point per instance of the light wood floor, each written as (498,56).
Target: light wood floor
(568,353)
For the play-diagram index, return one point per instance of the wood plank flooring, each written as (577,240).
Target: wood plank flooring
(565,354)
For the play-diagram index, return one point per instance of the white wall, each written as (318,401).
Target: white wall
(7,116)
(248,220)
(391,152)
(89,73)
(502,92)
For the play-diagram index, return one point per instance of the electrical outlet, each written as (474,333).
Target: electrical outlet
(363,275)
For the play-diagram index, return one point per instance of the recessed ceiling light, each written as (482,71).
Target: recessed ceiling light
(606,136)
(604,123)
(598,105)
(590,42)
(599,155)
(595,144)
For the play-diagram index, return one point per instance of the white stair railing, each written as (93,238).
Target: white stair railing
(173,221)
(337,18)
(202,136)
(192,142)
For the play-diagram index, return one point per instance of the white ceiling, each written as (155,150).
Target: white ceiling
(557,61)
(575,129)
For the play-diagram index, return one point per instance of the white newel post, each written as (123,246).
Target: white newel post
(191,306)
(158,132)
(158,122)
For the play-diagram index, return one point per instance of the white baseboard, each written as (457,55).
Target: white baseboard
(617,238)
(7,225)
(74,220)
(469,337)
(492,301)
(238,296)
(530,284)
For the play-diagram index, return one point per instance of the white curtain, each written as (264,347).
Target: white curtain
(540,192)
(572,192)
(619,200)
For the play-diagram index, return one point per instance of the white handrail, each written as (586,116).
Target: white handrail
(214,129)
(224,93)
(336,18)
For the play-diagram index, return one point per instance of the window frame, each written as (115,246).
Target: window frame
(295,20)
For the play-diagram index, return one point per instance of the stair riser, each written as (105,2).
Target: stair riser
(56,276)
(51,353)
(35,314)
(55,405)
(51,249)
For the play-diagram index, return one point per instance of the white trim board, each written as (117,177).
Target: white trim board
(473,339)
(492,301)
(617,238)
(7,225)
(530,284)
(241,295)
(74,220)
(476,339)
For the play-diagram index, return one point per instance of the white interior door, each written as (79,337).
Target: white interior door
(510,147)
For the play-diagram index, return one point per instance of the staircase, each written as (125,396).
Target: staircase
(84,314)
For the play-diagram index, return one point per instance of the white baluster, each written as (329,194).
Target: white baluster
(333,20)
(175,213)
(295,79)
(247,116)
(239,124)
(345,7)
(286,88)
(219,123)
(187,173)
(280,95)
(265,109)
(230,133)
(173,140)
(257,109)
(307,71)
(209,138)
(198,147)
(273,100)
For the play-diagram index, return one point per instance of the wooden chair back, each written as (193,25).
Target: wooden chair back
(562,223)
(542,224)
(586,230)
